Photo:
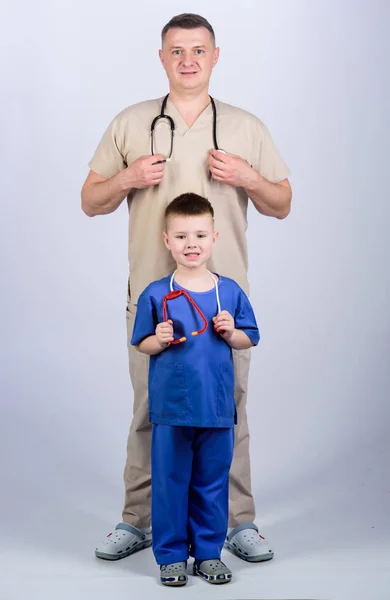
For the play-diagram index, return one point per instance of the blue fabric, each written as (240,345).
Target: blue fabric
(192,383)
(190,488)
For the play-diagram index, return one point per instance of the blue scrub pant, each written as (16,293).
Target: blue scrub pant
(190,489)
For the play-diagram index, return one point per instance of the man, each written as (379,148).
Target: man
(217,151)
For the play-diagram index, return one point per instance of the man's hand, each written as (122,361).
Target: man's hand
(230,169)
(224,324)
(143,172)
(164,333)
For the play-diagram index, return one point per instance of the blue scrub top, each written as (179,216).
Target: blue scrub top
(192,383)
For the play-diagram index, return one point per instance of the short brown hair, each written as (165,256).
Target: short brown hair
(188,21)
(189,205)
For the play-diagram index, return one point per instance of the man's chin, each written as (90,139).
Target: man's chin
(190,82)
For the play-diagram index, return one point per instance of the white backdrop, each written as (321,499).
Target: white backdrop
(317,73)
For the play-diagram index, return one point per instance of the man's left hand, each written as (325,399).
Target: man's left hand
(231,169)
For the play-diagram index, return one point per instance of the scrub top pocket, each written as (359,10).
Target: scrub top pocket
(225,396)
(167,392)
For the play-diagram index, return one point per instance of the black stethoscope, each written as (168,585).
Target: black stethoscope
(171,122)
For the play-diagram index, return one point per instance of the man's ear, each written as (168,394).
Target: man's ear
(216,57)
(160,53)
(215,237)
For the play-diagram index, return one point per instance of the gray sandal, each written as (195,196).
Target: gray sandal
(125,540)
(246,543)
(174,574)
(213,570)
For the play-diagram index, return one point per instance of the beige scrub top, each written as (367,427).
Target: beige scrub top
(238,132)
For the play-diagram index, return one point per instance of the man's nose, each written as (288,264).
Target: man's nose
(187,58)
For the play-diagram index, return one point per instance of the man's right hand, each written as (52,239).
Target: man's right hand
(143,172)
(101,196)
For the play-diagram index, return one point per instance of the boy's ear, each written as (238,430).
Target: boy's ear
(215,236)
(165,236)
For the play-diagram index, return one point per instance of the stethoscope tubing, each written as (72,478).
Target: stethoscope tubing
(171,122)
(215,286)
(176,293)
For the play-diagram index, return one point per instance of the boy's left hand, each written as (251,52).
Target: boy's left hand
(224,324)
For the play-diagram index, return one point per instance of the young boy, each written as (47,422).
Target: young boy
(189,336)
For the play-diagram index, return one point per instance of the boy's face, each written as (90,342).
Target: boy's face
(190,239)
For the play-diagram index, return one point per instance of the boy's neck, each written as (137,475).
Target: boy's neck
(196,279)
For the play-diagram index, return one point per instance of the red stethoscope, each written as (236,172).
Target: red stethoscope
(176,293)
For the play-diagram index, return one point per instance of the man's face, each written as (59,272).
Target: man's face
(190,239)
(188,57)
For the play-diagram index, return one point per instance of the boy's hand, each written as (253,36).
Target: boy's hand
(224,324)
(164,333)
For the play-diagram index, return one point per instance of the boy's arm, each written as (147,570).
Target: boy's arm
(150,346)
(236,338)
(154,344)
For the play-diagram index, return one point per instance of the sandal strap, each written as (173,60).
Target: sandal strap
(137,532)
(241,528)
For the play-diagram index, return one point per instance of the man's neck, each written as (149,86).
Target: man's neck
(190,105)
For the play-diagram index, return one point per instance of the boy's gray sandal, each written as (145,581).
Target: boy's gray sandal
(125,540)
(174,574)
(213,570)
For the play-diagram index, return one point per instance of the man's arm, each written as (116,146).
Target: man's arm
(101,196)
(270,199)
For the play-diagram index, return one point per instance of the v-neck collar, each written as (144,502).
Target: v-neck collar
(181,126)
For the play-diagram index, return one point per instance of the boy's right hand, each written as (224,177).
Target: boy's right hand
(164,333)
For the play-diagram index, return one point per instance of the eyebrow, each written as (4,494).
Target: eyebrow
(181,47)
(199,231)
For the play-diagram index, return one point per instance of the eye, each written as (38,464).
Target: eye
(180,237)
(199,51)
(176,52)
(202,235)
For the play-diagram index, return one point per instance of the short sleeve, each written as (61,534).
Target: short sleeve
(244,318)
(108,159)
(145,319)
(267,160)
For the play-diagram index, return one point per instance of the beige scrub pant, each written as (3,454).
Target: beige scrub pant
(137,476)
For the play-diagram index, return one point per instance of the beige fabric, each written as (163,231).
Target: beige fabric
(238,132)
(127,138)
(137,476)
